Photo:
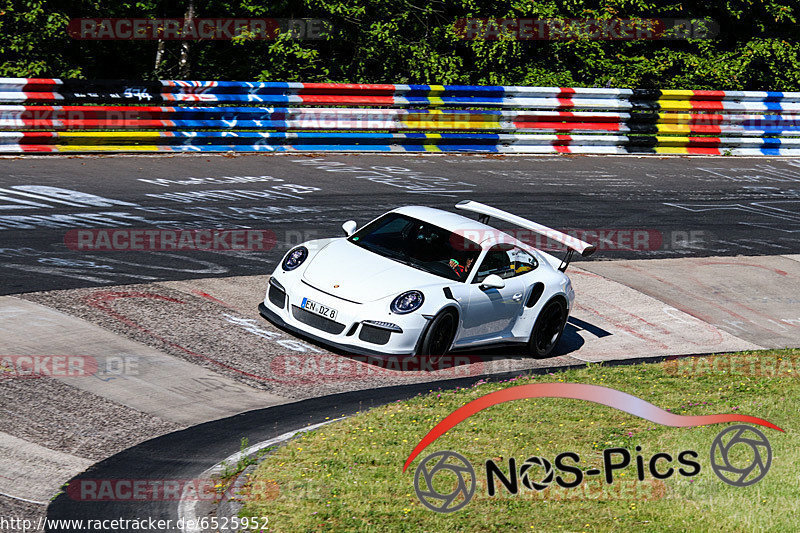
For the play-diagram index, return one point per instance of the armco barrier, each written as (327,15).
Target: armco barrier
(52,115)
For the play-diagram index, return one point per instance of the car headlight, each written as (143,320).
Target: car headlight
(408,302)
(295,258)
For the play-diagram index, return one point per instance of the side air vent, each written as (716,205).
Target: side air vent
(536,293)
(448,293)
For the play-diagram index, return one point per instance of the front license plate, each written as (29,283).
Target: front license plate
(318,309)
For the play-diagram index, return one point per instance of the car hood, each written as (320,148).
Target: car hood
(343,269)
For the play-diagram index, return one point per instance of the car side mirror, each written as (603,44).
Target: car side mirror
(492,281)
(349,227)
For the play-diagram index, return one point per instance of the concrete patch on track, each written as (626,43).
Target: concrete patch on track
(33,473)
(754,298)
(123,371)
(623,323)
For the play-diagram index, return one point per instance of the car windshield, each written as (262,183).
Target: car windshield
(419,245)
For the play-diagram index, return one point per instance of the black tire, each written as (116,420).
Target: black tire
(438,337)
(548,328)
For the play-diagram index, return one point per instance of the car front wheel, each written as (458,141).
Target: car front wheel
(438,337)
(548,328)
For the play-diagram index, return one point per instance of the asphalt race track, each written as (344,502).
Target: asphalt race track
(695,256)
(698,206)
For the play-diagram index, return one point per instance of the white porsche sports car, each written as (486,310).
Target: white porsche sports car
(423,281)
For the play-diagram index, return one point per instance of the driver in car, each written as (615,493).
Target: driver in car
(459,269)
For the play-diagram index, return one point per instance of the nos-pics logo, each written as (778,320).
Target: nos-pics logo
(446,481)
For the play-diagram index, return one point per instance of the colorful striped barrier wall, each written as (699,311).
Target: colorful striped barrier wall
(52,116)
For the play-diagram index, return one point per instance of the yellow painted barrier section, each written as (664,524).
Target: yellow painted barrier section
(672,141)
(674,128)
(677,105)
(671,150)
(677,94)
(437,119)
(675,118)
(100,137)
(112,148)
(432,147)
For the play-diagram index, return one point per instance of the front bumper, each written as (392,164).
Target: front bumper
(352,331)
(278,321)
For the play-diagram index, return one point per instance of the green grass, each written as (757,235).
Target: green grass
(348,475)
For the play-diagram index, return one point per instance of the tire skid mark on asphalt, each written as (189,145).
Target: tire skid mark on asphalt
(710,327)
(709,289)
(617,324)
(734,302)
(617,308)
(714,330)
(778,271)
(718,338)
(704,318)
(212,298)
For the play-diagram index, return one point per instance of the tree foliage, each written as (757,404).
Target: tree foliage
(415,41)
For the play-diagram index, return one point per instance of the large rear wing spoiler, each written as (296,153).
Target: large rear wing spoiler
(573,244)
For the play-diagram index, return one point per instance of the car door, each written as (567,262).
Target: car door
(490,312)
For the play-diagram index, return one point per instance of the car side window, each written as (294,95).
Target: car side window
(505,261)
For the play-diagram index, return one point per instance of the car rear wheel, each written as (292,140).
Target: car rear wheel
(548,328)
(438,337)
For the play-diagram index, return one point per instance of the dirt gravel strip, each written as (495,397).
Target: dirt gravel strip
(15,509)
(53,431)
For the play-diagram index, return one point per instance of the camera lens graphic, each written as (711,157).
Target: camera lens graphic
(727,468)
(448,465)
(525,472)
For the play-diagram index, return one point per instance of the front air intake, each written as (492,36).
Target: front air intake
(374,335)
